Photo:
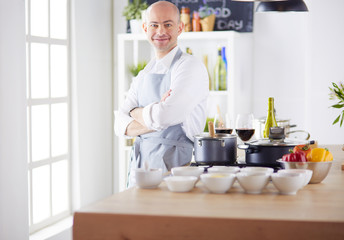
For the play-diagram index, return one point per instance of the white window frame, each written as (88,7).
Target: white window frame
(48,101)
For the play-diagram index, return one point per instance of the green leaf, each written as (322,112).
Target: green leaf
(338,106)
(335,121)
(341,122)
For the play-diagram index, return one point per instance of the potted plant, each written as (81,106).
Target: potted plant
(135,69)
(337,93)
(133,13)
(207,16)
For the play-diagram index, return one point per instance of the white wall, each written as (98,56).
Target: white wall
(92,100)
(13,156)
(119,26)
(296,57)
(326,40)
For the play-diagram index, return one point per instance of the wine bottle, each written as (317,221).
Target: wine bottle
(270,119)
(220,73)
(205,61)
(223,53)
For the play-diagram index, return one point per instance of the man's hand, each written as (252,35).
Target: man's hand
(135,128)
(166,94)
(138,126)
(137,115)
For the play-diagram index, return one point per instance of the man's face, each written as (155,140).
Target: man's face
(162,29)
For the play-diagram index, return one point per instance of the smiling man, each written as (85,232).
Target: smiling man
(166,104)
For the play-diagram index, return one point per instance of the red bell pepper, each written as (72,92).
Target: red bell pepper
(303,148)
(298,156)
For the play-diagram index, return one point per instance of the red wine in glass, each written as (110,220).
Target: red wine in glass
(245,134)
(223,130)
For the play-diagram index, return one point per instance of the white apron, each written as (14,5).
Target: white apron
(162,149)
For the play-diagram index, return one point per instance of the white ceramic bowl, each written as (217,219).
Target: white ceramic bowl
(180,183)
(253,182)
(257,169)
(150,178)
(187,171)
(218,182)
(320,169)
(288,183)
(307,173)
(223,169)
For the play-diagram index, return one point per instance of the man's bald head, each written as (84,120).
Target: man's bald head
(163,4)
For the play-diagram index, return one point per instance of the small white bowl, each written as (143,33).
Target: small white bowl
(187,171)
(253,182)
(180,183)
(307,173)
(150,178)
(288,183)
(223,169)
(218,182)
(257,169)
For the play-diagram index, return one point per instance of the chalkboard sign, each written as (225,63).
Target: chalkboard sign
(237,16)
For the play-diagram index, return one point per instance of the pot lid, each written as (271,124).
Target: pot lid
(217,136)
(276,143)
(263,119)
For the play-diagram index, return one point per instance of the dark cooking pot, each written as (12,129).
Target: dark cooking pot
(266,151)
(218,150)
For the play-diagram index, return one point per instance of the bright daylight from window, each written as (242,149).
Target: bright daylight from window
(48,104)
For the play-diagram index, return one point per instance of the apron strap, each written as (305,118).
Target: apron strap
(169,142)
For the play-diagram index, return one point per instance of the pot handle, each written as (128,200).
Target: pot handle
(301,131)
(248,148)
(243,146)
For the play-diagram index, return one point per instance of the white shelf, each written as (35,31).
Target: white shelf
(218,93)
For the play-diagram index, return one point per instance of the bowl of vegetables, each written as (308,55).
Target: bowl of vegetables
(319,160)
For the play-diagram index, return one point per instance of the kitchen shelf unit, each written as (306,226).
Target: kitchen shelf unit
(134,48)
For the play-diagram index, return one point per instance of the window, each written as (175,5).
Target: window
(48,108)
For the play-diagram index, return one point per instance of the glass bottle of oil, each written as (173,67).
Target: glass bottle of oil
(220,73)
(270,119)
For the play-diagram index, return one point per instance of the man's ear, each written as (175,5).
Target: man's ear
(144,27)
(180,27)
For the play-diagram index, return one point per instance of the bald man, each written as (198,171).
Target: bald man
(166,104)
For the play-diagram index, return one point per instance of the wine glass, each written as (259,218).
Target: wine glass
(222,124)
(244,126)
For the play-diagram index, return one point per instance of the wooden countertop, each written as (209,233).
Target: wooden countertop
(316,211)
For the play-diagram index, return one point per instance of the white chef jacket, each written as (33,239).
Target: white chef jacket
(186,104)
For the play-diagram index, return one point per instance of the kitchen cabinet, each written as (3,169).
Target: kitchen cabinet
(134,48)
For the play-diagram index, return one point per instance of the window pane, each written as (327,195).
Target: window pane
(40,132)
(39,71)
(58,68)
(40,193)
(60,187)
(39,18)
(59,129)
(29,195)
(27,70)
(58,19)
(28,133)
(26,17)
